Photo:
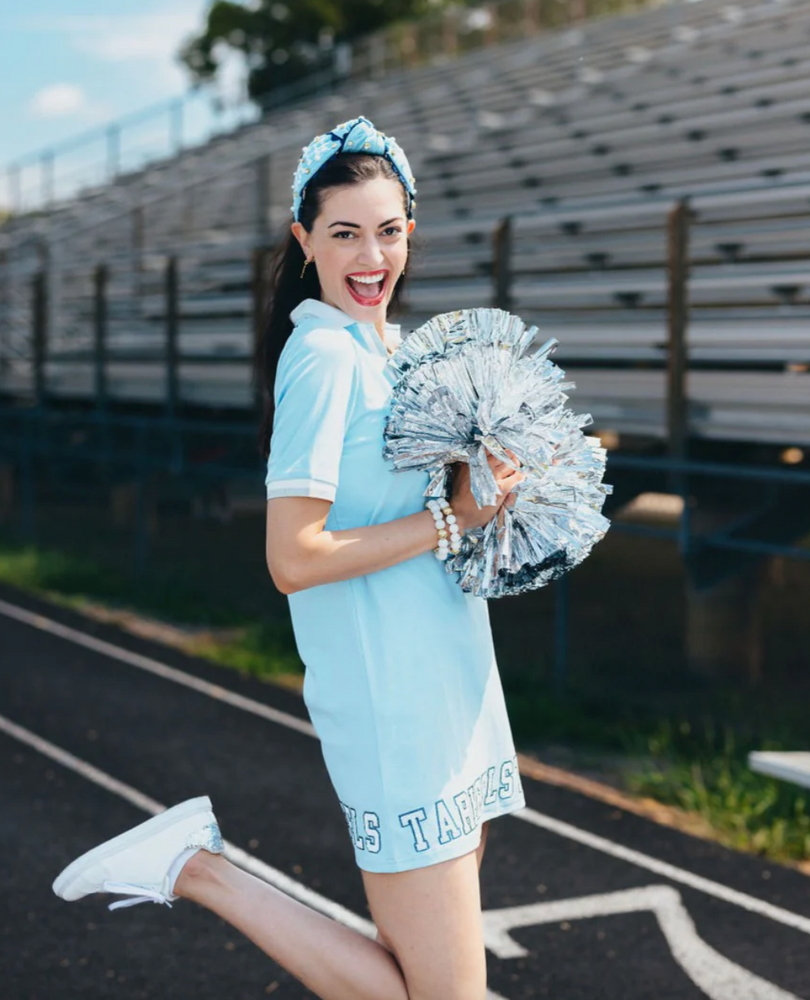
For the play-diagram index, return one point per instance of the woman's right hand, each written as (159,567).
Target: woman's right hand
(468,513)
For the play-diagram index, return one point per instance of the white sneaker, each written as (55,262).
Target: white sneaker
(143,861)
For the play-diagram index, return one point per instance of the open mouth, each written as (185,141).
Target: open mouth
(367,287)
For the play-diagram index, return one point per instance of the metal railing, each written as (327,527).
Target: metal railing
(107,450)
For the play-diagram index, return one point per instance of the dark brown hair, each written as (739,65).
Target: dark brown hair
(286,286)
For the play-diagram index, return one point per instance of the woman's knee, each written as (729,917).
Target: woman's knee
(383,940)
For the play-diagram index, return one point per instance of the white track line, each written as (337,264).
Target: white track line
(234,854)
(663,868)
(711,888)
(156,667)
(715,975)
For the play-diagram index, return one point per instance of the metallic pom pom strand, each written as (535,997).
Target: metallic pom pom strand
(465,384)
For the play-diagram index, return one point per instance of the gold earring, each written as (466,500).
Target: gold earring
(308,260)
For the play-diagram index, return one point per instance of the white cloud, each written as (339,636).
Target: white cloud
(64,100)
(124,37)
(153,38)
(119,38)
(58,100)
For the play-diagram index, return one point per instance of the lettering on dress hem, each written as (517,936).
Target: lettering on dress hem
(448,818)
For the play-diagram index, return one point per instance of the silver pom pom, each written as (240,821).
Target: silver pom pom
(465,383)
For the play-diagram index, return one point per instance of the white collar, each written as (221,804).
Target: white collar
(322,310)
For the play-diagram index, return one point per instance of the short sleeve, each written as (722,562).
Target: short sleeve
(314,392)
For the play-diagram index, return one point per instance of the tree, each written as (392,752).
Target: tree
(281,42)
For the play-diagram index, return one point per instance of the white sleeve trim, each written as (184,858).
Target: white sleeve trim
(301,488)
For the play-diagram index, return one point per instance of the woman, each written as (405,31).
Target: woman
(401,681)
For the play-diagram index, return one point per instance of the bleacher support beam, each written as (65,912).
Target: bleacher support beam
(5,331)
(259,306)
(100,335)
(502,264)
(39,338)
(678,313)
(136,249)
(263,195)
(172,323)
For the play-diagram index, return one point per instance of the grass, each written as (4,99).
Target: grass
(263,649)
(72,576)
(673,751)
(260,648)
(705,771)
(700,767)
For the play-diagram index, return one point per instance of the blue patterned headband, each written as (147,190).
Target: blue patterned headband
(357,135)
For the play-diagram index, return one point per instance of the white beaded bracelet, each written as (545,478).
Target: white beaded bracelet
(445,521)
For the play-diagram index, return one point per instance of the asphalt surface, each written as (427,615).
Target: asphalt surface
(579,900)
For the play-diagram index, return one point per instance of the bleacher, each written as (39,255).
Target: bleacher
(585,137)
(792,766)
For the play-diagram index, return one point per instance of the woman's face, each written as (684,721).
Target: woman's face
(360,233)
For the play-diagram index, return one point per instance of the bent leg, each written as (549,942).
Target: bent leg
(431,920)
(332,960)
(479,855)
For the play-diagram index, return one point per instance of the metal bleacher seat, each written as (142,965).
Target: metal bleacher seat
(583,136)
(791,766)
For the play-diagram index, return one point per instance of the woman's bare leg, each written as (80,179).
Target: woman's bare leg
(479,854)
(332,960)
(336,962)
(431,919)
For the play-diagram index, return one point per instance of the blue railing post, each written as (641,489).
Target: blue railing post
(561,607)
(27,518)
(15,197)
(142,500)
(39,333)
(176,110)
(47,166)
(100,337)
(113,151)
(171,332)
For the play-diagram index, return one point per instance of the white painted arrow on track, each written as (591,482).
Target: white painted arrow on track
(717,976)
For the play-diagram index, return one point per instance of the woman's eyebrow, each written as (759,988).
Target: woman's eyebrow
(355,226)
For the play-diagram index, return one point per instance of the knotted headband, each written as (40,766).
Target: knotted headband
(357,135)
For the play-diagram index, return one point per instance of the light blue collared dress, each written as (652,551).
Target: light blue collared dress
(401,680)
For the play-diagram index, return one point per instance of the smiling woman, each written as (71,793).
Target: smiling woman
(347,247)
(401,681)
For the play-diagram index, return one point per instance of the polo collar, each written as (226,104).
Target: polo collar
(365,332)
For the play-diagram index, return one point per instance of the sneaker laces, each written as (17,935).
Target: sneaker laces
(141,894)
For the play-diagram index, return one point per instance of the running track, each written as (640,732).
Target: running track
(99,728)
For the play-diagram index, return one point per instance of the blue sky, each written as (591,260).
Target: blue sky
(66,68)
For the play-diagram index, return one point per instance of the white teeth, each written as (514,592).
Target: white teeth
(368,280)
